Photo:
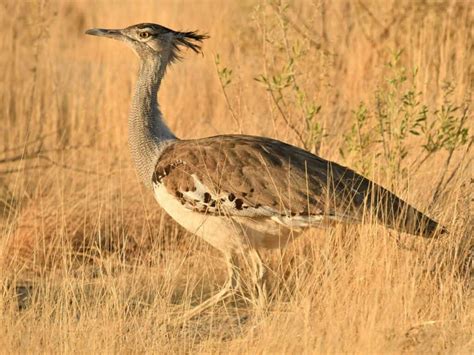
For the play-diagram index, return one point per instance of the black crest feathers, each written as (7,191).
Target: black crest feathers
(190,39)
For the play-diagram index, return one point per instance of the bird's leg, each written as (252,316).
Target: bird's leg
(230,287)
(259,277)
(233,272)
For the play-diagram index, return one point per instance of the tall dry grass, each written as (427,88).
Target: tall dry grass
(91,264)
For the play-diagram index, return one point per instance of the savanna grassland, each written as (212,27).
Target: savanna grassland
(89,262)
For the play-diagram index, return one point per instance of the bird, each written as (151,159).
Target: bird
(241,193)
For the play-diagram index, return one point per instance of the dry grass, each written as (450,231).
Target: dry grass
(90,264)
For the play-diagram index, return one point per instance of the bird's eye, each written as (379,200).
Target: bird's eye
(144,35)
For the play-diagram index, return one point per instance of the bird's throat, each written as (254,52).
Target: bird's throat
(148,135)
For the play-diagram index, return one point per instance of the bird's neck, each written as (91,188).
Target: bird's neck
(148,135)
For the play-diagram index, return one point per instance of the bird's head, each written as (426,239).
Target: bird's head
(151,41)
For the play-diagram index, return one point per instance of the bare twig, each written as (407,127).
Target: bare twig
(20,170)
(385,28)
(68,167)
(440,187)
(226,97)
(51,162)
(37,152)
(303,33)
(287,121)
(28,143)
(19,157)
(276,103)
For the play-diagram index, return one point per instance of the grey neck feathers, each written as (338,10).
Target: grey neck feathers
(148,135)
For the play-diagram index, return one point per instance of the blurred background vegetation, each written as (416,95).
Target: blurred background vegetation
(382,86)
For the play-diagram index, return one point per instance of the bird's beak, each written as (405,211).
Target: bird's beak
(115,34)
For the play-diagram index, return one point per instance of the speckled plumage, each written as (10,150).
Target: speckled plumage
(247,176)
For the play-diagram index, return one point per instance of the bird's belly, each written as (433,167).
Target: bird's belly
(228,234)
(218,231)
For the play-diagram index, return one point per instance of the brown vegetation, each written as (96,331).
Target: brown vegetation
(89,263)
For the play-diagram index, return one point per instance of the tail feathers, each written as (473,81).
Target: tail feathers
(353,194)
(399,215)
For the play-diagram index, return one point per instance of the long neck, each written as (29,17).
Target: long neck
(148,135)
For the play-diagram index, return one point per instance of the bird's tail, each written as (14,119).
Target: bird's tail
(355,196)
(397,214)
(354,192)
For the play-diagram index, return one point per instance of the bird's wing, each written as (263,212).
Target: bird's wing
(253,176)
(237,175)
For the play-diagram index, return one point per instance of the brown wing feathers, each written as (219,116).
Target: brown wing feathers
(260,176)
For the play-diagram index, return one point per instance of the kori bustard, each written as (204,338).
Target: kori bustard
(241,193)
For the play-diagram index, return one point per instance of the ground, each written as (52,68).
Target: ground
(90,263)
